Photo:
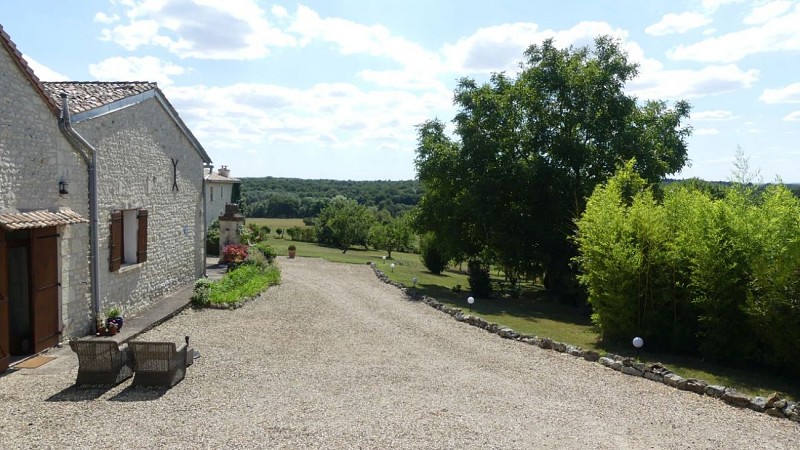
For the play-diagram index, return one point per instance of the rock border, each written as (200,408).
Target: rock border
(773,405)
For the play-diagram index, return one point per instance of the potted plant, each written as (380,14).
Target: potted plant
(102,329)
(114,317)
(292,251)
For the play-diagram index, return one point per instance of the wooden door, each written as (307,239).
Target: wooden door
(45,287)
(5,353)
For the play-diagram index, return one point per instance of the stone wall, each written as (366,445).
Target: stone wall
(773,405)
(136,146)
(34,157)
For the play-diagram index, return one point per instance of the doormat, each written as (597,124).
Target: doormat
(32,363)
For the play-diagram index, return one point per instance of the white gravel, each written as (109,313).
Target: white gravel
(333,358)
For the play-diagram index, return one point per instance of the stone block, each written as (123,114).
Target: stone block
(630,370)
(757,404)
(736,399)
(715,390)
(591,355)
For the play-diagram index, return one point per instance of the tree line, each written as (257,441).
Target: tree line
(300,198)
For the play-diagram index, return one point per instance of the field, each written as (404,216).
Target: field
(534,313)
(274,224)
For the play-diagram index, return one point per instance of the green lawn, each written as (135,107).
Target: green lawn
(535,313)
(274,224)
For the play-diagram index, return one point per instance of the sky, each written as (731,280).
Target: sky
(335,88)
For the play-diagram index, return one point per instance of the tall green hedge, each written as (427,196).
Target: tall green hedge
(719,277)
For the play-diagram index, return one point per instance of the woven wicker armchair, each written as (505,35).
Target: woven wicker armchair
(159,363)
(101,362)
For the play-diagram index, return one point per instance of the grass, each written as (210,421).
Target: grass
(242,283)
(537,314)
(274,224)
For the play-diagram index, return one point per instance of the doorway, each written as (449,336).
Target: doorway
(29,292)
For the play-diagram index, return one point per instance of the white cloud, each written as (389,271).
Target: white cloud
(328,115)
(148,68)
(204,29)
(43,72)
(776,34)
(705,131)
(712,5)
(677,24)
(105,18)
(766,12)
(656,82)
(716,114)
(355,38)
(500,48)
(279,12)
(792,117)
(786,94)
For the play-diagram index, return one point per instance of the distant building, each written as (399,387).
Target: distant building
(221,189)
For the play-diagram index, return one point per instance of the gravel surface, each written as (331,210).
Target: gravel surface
(333,358)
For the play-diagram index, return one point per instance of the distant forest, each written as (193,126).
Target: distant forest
(300,198)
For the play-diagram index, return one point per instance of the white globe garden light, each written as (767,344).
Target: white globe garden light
(637,343)
(392,266)
(470,300)
(414,280)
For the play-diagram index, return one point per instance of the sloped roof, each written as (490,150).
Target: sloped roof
(87,95)
(13,220)
(91,98)
(214,177)
(8,44)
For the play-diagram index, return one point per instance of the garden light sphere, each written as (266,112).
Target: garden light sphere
(638,342)
(471,300)
(392,266)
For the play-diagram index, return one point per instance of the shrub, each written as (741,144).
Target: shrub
(234,253)
(432,255)
(212,239)
(266,251)
(480,283)
(263,232)
(243,283)
(308,221)
(202,287)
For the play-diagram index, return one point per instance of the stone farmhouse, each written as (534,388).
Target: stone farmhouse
(101,203)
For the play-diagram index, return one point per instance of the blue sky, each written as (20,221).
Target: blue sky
(334,89)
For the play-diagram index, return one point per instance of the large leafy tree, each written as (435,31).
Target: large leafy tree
(344,223)
(395,234)
(529,151)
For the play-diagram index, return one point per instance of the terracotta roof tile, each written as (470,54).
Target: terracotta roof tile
(39,219)
(88,95)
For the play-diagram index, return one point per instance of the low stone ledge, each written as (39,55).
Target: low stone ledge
(772,406)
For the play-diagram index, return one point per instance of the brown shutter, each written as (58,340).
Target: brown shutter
(115,242)
(5,353)
(141,241)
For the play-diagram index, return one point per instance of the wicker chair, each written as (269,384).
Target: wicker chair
(101,362)
(159,363)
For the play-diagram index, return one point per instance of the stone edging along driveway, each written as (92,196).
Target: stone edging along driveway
(773,405)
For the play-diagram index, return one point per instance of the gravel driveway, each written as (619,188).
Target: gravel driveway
(333,358)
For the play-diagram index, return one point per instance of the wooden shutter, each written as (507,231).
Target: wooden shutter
(5,353)
(45,288)
(115,242)
(141,241)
